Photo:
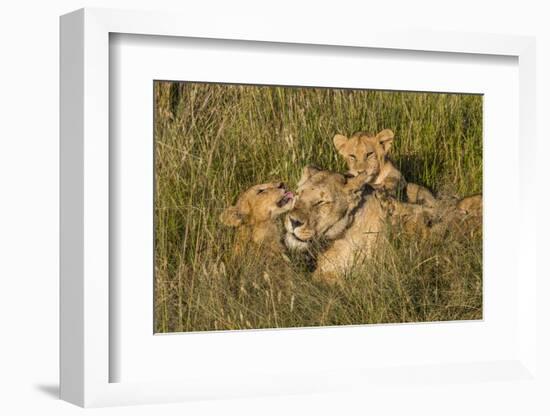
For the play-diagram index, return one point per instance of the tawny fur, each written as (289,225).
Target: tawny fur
(351,217)
(471,205)
(327,207)
(255,215)
(367,154)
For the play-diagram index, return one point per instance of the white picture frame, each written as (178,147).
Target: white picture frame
(85,217)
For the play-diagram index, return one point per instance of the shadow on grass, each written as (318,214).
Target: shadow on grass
(413,168)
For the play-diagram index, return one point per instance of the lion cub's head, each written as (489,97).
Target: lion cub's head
(322,207)
(365,153)
(258,204)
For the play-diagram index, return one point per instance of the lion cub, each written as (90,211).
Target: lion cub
(468,214)
(471,205)
(366,153)
(254,215)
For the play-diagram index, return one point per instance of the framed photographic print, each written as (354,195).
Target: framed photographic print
(277,212)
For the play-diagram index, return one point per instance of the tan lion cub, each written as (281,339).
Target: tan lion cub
(254,215)
(366,153)
(471,205)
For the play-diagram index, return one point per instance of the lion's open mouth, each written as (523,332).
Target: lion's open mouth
(287,197)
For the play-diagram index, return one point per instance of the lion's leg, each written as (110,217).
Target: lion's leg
(393,185)
(412,192)
(417,194)
(425,197)
(334,263)
(342,256)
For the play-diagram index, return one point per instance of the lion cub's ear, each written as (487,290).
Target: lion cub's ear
(385,138)
(307,173)
(231,217)
(339,140)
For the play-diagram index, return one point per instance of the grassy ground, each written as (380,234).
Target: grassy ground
(214,141)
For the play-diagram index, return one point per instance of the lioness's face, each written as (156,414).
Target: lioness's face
(258,204)
(319,211)
(364,153)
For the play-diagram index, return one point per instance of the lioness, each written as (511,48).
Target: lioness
(255,213)
(367,153)
(345,213)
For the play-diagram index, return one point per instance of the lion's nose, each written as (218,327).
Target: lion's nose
(295,223)
(281,185)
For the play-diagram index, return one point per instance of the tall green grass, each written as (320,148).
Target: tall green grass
(214,141)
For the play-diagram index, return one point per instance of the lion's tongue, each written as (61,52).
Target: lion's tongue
(289,195)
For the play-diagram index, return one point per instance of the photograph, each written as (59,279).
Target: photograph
(301,206)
